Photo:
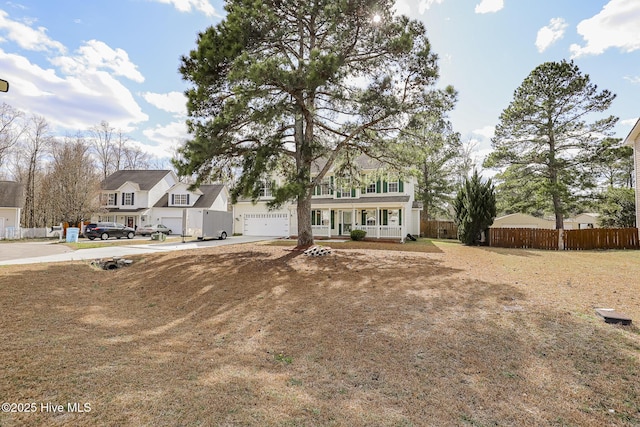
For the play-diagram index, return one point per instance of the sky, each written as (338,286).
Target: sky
(80,62)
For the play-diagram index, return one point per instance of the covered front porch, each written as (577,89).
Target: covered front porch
(377,222)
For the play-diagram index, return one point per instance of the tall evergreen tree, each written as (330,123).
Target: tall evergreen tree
(281,84)
(475,209)
(618,208)
(435,153)
(545,132)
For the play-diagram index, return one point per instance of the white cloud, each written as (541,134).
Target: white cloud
(615,26)
(487,132)
(95,55)
(402,8)
(27,37)
(172,102)
(629,122)
(550,34)
(203,6)
(72,102)
(633,79)
(426,5)
(168,137)
(489,6)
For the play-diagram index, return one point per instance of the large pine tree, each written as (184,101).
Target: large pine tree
(551,131)
(279,84)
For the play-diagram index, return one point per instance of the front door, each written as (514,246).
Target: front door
(346,223)
(130,221)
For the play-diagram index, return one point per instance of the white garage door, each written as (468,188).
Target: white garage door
(266,224)
(174,223)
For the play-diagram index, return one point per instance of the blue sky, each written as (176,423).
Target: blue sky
(78,62)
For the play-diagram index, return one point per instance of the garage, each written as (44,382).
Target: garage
(266,224)
(174,223)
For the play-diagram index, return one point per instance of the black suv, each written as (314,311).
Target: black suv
(104,230)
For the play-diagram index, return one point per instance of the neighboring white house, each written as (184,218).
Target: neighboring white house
(633,140)
(145,197)
(11,199)
(178,201)
(520,220)
(385,208)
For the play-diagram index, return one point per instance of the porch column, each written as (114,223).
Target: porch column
(329,227)
(378,222)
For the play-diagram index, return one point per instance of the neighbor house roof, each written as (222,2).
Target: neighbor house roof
(11,194)
(146,179)
(209,194)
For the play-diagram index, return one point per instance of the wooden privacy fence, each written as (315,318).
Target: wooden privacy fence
(537,238)
(439,229)
(532,238)
(601,238)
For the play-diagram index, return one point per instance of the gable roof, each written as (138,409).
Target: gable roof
(209,194)
(146,179)
(363,162)
(11,194)
(635,132)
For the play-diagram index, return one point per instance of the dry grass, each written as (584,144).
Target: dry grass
(259,335)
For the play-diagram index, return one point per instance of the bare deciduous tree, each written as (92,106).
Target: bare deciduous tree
(72,183)
(37,140)
(12,126)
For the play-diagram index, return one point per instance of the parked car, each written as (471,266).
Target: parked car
(105,230)
(153,228)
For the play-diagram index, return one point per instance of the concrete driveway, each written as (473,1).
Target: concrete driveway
(36,252)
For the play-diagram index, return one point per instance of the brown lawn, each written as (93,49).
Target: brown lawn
(258,335)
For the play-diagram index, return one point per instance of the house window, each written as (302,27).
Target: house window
(345,192)
(127,199)
(180,199)
(265,190)
(393,186)
(316,217)
(324,189)
(371,188)
(108,199)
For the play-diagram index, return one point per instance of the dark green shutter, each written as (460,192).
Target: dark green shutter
(331,186)
(400,215)
(132,200)
(122,198)
(173,199)
(333,219)
(378,186)
(353,192)
(363,218)
(385,187)
(400,186)
(385,217)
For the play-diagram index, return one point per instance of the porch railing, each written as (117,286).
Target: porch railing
(381,231)
(321,230)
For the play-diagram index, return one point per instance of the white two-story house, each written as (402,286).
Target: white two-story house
(145,197)
(384,207)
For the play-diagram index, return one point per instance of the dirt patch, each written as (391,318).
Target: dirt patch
(260,335)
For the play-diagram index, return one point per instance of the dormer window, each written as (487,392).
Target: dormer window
(180,199)
(127,199)
(265,190)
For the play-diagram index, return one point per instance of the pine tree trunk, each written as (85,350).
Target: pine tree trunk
(305,232)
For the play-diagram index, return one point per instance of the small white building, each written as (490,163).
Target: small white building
(11,201)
